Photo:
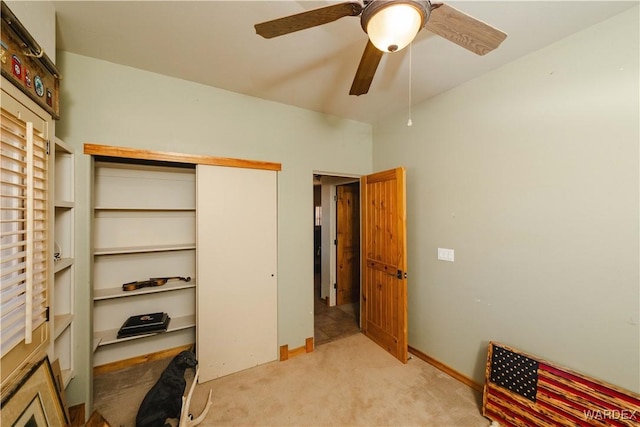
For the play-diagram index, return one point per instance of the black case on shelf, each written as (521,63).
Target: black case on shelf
(144,324)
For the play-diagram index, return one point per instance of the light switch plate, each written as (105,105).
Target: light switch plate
(445,254)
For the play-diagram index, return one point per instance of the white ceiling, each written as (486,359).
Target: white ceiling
(214,43)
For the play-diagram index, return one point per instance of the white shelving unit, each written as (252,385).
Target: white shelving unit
(144,220)
(64,259)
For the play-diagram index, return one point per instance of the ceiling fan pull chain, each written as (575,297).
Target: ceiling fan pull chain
(410,122)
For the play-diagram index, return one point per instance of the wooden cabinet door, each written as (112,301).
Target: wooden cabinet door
(236,275)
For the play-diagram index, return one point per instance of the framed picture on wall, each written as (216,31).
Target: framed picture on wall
(34,401)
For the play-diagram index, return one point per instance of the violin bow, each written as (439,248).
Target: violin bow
(154,281)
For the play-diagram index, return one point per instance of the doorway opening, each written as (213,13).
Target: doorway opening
(336,210)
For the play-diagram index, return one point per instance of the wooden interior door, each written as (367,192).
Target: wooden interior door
(236,278)
(384,285)
(348,243)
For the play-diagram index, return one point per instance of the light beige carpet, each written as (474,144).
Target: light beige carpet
(349,382)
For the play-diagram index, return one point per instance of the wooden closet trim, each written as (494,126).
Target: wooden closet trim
(136,153)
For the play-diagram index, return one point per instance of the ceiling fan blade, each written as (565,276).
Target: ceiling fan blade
(366,70)
(309,19)
(464,30)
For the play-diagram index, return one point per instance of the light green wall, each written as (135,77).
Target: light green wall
(110,104)
(531,174)
(39,17)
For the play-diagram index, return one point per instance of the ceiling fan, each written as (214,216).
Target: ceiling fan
(391,25)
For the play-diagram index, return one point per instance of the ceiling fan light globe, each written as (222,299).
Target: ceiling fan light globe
(393,27)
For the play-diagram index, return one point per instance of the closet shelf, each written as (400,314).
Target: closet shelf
(144,209)
(67,376)
(64,204)
(62,264)
(111,336)
(143,249)
(61,322)
(110,293)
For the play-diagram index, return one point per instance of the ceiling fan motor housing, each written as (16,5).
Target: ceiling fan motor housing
(374,7)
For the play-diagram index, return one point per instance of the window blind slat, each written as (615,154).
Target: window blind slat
(11,281)
(4,157)
(10,258)
(12,136)
(13,321)
(11,173)
(11,201)
(11,133)
(11,120)
(12,154)
(13,234)
(12,185)
(12,299)
(12,143)
(14,269)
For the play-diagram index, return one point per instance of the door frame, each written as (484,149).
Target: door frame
(328,264)
(394,340)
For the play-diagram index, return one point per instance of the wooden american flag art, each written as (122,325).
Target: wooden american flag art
(522,390)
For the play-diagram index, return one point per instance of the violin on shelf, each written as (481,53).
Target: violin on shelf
(153,281)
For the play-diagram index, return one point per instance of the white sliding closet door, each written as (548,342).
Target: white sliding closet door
(236,269)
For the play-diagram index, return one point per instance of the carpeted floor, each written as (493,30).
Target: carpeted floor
(347,382)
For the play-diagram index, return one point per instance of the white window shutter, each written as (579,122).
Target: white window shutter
(24,231)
